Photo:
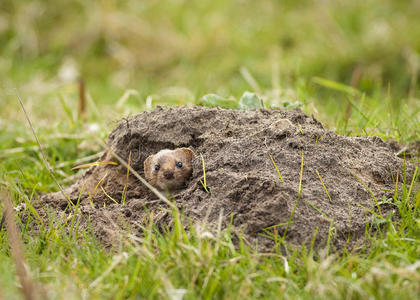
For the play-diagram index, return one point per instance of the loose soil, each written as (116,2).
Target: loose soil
(245,188)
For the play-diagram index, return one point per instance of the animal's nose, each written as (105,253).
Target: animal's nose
(168,174)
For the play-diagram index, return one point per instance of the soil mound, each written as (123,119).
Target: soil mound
(239,148)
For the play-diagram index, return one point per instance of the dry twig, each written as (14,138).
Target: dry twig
(16,249)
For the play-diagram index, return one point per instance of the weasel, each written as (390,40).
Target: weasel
(169,169)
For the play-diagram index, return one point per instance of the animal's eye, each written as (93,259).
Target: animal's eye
(179,164)
(157,167)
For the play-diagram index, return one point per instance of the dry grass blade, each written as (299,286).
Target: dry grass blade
(301,176)
(298,199)
(82,99)
(94,190)
(124,194)
(16,249)
(47,165)
(96,163)
(275,166)
(323,185)
(108,196)
(204,181)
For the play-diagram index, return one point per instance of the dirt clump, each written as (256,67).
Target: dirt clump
(239,148)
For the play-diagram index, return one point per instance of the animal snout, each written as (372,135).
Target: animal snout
(168,174)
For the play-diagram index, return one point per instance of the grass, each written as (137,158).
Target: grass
(275,166)
(353,65)
(204,181)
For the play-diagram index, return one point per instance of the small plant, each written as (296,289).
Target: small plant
(292,105)
(248,101)
(124,194)
(96,163)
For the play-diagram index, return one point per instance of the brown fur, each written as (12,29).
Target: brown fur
(169,176)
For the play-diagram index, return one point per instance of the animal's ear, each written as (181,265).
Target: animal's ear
(147,166)
(188,153)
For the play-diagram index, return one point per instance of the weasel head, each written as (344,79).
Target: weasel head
(169,169)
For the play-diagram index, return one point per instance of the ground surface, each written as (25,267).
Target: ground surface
(358,176)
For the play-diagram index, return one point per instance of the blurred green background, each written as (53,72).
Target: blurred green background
(176,51)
